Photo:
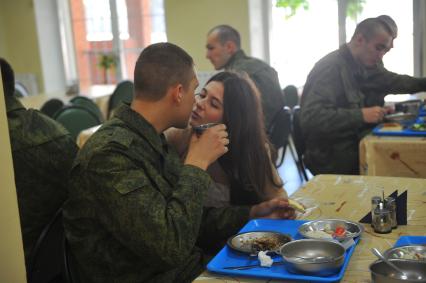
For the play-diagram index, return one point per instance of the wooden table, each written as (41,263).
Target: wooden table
(393,156)
(348,197)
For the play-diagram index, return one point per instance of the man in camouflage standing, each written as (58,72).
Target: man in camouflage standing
(135,211)
(224,52)
(343,97)
(42,152)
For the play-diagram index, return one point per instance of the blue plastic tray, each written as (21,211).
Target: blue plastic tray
(410,240)
(404,132)
(228,257)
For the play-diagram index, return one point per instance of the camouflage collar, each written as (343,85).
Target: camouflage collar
(139,124)
(13,104)
(358,69)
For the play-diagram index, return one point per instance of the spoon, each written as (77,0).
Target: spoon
(380,256)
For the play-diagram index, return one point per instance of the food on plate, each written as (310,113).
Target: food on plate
(418,127)
(266,243)
(391,127)
(296,205)
(329,233)
(409,252)
(319,234)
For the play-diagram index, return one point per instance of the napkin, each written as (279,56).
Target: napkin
(401,209)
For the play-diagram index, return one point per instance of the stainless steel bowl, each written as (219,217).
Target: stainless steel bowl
(399,117)
(253,242)
(409,252)
(383,273)
(301,256)
(354,229)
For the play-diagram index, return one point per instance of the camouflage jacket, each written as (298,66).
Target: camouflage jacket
(135,211)
(266,80)
(332,123)
(43,152)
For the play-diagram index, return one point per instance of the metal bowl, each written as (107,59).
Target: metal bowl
(253,242)
(409,252)
(353,229)
(301,256)
(383,273)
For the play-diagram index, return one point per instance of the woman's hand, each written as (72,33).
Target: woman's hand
(276,208)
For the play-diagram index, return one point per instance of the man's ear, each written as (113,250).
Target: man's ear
(177,93)
(230,47)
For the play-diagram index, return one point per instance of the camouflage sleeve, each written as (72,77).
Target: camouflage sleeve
(381,80)
(220,223)
(158,222)
(321,115)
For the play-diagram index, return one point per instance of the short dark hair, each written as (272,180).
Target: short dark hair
(227,33)
(160,66)
(369,27)
(390,23)
(8,77)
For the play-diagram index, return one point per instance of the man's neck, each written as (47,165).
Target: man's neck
(154,112)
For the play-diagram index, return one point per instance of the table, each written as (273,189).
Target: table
(98,93)
(348,197)
(393,156)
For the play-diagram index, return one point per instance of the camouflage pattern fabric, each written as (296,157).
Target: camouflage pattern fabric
(331,119)
(43,152)
(266,80)
(135,211)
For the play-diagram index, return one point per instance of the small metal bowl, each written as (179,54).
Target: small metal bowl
(399,117)
(298,254)
(253,242)
(354,229)
(383,273)
(409,252)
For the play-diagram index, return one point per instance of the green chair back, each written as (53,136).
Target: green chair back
(51,106)
(122,93)
(76,119)
(87,103)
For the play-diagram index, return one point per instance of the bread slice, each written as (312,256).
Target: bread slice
(296,205)
(391,127)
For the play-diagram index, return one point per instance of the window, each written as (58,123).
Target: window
(102,58)
(314,33)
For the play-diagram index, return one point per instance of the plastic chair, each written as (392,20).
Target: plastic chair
(21,90)
(46,260)
(299,144)
(279,133)
(122,93)
(87,103)
(76,118)
(291,96)
(51,106)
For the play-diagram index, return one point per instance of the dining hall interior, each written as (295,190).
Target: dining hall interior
(68,56)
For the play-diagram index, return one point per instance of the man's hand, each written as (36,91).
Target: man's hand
(276,208)
(208,147)
(373,114)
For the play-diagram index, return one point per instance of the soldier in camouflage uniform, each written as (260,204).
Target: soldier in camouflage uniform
(224,52)
(43,152)
(342,98)
(135,211)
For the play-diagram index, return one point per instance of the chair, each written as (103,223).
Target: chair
(51,106)
(87,103)
(46,259)
(76,118)
(299,144)
(122,93)
(291,96)
(21,90)
(279,133)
